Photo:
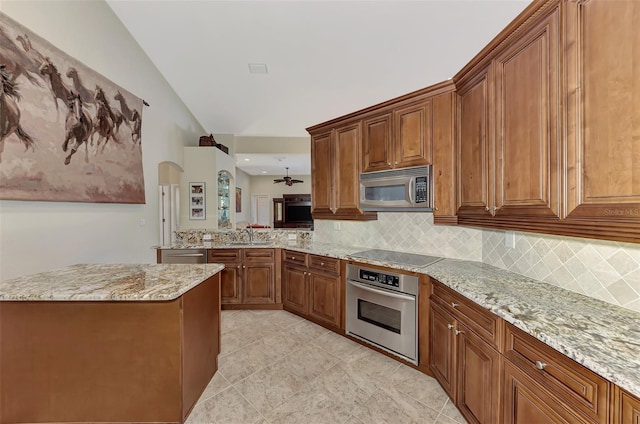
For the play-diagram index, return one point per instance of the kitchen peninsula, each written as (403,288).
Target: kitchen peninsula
(108,343)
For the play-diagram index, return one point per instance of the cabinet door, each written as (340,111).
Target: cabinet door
(321,174)
(412,142)
(528,165)
(603,44)
(626,408)
(230,284)
(442,355)
(377,143)
(478,375)
(347,169)
(474,144)
(258,283)
(444,159)
(294,286)
(325,298)
(526,402)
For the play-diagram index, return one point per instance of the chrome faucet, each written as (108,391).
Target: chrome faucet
(248,230)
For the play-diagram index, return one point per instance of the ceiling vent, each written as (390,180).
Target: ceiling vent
(258,68)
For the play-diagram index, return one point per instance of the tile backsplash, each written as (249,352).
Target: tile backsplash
(412,232)
(605,270)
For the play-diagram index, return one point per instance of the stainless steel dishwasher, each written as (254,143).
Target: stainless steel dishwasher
(184,256)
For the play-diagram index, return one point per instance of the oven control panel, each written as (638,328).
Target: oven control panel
(380,277)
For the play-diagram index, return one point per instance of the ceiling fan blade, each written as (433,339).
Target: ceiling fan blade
(279,180)
(297,181)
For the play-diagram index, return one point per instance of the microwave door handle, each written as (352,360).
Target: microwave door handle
(412,189)
(382,292)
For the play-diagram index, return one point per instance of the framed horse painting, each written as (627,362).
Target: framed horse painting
(66,132)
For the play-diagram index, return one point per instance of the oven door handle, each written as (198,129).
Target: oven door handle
(382,292)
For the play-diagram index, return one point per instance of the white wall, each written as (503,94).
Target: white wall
(40,236)
(264,185)
(243,180)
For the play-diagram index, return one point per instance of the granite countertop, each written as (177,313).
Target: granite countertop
(604,338)
(119,282)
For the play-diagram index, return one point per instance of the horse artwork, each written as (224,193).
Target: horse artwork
(51,106)
(10,113)
(78,127)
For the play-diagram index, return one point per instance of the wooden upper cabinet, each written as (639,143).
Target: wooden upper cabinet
(527,114)
(321,174)
(474,143)
(603,116)
(335,172)
(377,143)
(398,139)
(412,141)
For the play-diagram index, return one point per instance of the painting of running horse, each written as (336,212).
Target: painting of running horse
(51,106)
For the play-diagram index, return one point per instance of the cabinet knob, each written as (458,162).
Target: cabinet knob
(243,266)
(389,163)
(321,263)
(435,208)
(304,273)
(238,267)
(540,365)
(293,258)
(486,208)
(396,162)
(454,305)
(495,208)
(459,332)
(449,326)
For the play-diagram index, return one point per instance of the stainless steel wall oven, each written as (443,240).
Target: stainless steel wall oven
(381,309)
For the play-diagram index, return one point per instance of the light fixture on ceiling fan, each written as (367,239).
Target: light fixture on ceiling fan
(287,180)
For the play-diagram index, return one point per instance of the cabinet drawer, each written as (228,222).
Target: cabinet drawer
(484,323)
(326,264)
(584,390)
(295,257)
(224,255)
(259,255)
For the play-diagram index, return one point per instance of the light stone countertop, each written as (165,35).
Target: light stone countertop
(104,282)
(603,337)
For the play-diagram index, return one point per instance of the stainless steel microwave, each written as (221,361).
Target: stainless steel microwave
(406,189)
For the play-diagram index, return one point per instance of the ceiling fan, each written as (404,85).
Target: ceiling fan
(287,180)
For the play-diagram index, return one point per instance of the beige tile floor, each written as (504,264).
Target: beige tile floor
(277,368)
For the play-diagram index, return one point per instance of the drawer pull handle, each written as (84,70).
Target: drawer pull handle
(459,332)
(449,326)
(454,305)
(540,365)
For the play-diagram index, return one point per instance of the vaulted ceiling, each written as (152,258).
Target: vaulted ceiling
(324,58)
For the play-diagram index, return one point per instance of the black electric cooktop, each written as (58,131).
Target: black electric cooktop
(397,257)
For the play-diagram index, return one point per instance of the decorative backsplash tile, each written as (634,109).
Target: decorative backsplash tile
(605,270)
(412,232)
(195,236)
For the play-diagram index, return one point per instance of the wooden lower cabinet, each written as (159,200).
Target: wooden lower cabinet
(312,287)
(324,291)
(626,408)
(442,354)
(249,277)
(478,377)
(497,373)
(230,284)
(525,401)
(294,289)
(466,366)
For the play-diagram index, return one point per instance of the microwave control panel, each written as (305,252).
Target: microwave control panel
(421,189)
